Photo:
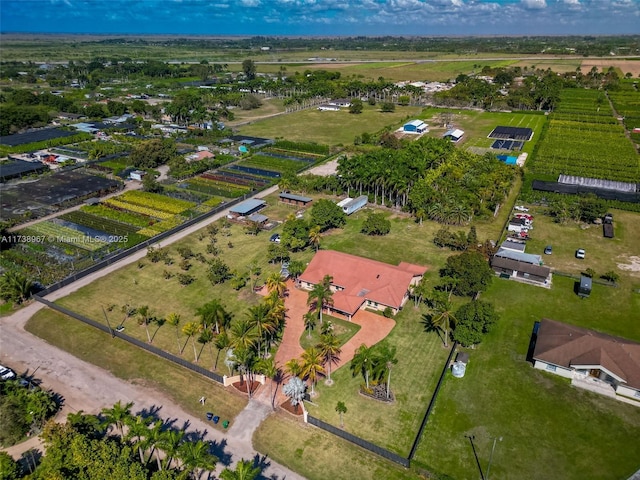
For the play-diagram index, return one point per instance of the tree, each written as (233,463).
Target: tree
(117,415)
(145,317)
(277,253)
(190,330)
(219,271)
(315,237)
(15,287)
(260,319)
(295,234)
(249,69)
(441,319)
(356,106)
(376,224)
(293,367)
(9,468)
(170,443)
(294,390)
(326,214)
(213,313)
(471,272)
(275,283)
(173,319)
(321,295)
(269,368)
(330,349)
(296,268)
(388,107)
(341,408)
(386,360)
(362,363)
(309,320)
(245,470)
(312,365)
(151,153)
(195,456)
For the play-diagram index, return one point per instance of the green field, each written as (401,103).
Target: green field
(328,128)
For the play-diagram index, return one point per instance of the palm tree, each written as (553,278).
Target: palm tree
(330,350)
(195,456)
(245,470)
(294,390)
(362,362)
(309,319)
(321,295)
(15,286)
(315,237)
(276,283)
(173,319)
(312,365)
(170,443)
(190,329)
(386,360)
(243,334)
(144,312)
(341,408)
(441,319)
(139,429)
(213,313)
(260,319)
(221,342)
(269,368)
(117,415)
(206,337)
(155,437)
(293,367)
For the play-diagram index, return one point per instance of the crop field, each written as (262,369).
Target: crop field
(214,184)
(585,140)
(61,234)
(627,104)
(280,165)
(328,128)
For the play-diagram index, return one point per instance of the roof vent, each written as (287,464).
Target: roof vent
(378,276)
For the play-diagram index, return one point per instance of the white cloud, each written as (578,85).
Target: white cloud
(534,4)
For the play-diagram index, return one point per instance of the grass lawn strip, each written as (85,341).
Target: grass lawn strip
(133,364)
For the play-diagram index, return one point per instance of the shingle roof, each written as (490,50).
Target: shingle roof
(510,264)
(569,346)
(361,279)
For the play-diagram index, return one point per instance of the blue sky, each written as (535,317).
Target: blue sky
(322,17)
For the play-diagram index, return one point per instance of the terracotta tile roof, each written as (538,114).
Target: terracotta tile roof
(569,346)
(361,279)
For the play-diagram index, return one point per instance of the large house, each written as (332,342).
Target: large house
(593,360)
(360,283)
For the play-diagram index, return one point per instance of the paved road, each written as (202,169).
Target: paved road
(89,388)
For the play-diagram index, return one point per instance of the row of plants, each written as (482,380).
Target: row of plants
(213,186)
(580,100)
(282,165)
(302,147)
(54,233)
(162,226)
(131,207)
(103,210)
(156,201)
(105,225)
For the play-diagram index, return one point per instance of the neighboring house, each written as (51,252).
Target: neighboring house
(415,126)
(519,256)
(522,271)
(360,283)
(297,200)
(511,245)
(455,134)
(340,102)
(593,360)
(328,108)
(352,205)
(246,208)
(200,155)
(137,175)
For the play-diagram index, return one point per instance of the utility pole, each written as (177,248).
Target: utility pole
(491,456)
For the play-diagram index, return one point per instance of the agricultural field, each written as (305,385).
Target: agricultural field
(626,101)
(585,140)
(218,184)
(328,128)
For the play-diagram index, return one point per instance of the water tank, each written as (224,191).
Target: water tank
(458,369)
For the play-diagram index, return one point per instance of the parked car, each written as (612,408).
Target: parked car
(548,250)
(521,208)
(580,253)
(275,238)
(6,373)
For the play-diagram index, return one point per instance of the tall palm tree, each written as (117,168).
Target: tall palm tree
(138,430)
(362,362)
(385,362)
(269,368)
(243,334)
(169,443)
(155,437)
(144,318)
(315,237)
(330,350)
(221,342)
(276,283)
(245,470)
(196,457)
(173,319)
(441,319)
(246,361)
(312,365)
(117,415)
(321,295)
(190,330)
(309,319)
(206,337)
(263,323)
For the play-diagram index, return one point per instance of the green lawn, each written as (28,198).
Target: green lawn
(342,329)
(549,429)
(131,363)
(394,425)
(328,128)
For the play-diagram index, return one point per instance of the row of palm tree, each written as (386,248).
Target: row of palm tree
(152,437)
(375,364)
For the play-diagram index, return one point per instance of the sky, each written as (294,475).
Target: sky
(322,17)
